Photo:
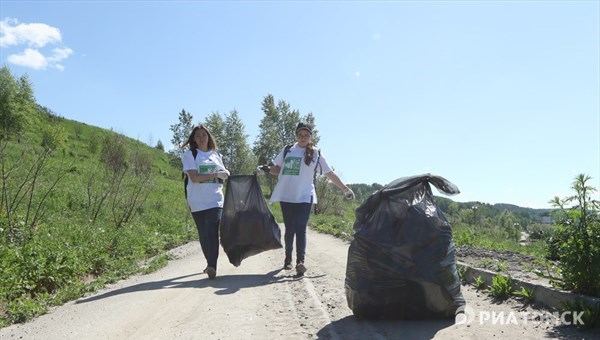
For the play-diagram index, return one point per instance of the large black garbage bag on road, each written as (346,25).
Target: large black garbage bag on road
(247,226)
(401,263)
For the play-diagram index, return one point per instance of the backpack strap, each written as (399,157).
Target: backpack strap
(286,150)
(185,176)
(317,165)
(316,206)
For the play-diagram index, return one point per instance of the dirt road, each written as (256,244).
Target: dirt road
(258,300)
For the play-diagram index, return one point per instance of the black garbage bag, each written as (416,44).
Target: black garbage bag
(247,226)
(402,263)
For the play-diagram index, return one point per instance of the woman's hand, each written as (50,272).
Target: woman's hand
(349,194)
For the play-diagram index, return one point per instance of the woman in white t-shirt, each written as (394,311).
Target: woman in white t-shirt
(295,190)
(206,172)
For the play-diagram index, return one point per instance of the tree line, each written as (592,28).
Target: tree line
(276,129)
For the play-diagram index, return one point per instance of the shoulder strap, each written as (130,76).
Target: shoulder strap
(316,206)
(317,165)
(185,176)
(286,150)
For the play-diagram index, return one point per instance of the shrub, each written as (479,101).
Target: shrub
(525,294)
(576,241)
(479,283)
(501,287)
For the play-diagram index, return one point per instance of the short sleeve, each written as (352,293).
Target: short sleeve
(187,159)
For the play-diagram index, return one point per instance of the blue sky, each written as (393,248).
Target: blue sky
(499,97)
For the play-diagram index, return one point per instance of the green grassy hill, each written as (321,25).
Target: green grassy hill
(81,206)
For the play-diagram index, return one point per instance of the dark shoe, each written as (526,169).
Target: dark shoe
(204,271)
(212,273)
(300,268)
(287,264)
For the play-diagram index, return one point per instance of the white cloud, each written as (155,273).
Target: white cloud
(29,58)
(34,36)
(34,59)
(357,74)
(59,54)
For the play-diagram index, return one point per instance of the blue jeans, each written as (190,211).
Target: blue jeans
(295,218)
(207,222)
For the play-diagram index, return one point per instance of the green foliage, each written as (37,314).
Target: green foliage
(157,263)
(181,132)
(461,271)
(269,141)
(363,191)
(464,236)
(501,287)
(500,266)
(66,230)
(493,238)
(23,309)
(538,231)
(525,294)
(114,154)
(479,284)
(233,143)
(330,197)
(53,137)
(590,316)
(486,263)
(278,128)
(340,224)
(576,240)
(16,103)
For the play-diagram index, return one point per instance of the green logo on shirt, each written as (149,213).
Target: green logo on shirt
(207,169)
(292,166)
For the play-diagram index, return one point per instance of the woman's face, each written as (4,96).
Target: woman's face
(201,139)
(303,138)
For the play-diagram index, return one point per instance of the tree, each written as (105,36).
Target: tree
(509,225)
(237,155)
(160,146)
(181,132)
(278,128)
(16,103)
(216,125)
(268,142)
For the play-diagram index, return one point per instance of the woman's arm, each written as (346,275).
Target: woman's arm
(197,178)
(348,193)
(336,180)
(275,170)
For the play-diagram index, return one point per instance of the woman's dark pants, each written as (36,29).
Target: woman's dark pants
(295,218)
(207,222)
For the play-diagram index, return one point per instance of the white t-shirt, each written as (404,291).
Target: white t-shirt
(207,194)
(295,181)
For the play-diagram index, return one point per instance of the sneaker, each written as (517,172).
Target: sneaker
(287,264)
(300,268)
(212,273)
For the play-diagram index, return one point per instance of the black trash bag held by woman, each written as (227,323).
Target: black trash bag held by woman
(401,263)
(247,226)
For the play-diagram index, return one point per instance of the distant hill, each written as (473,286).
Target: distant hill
(515,208)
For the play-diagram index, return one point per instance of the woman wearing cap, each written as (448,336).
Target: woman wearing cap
(206,172)
(295,190)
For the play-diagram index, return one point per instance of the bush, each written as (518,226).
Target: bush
(576,241)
